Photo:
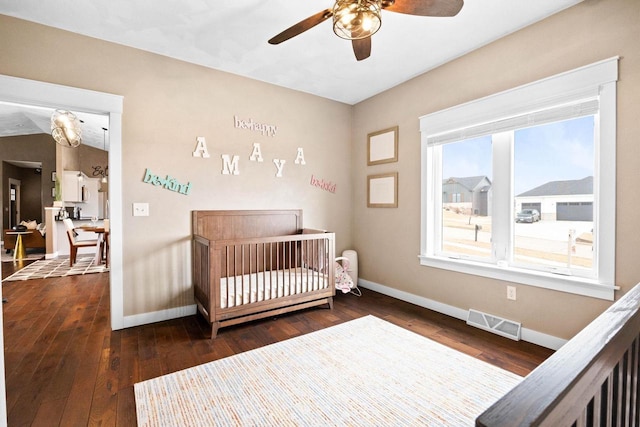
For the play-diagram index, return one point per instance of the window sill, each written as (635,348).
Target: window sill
(557,282)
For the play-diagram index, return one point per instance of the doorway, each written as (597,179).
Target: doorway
(34,93)
(31,92)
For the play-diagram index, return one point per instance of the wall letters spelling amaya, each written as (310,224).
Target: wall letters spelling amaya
(231,163)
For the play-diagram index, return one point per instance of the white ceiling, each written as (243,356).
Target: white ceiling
(232,36)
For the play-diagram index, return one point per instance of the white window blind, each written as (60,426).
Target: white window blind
(563,112)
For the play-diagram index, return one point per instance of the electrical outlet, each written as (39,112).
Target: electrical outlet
(141,209)
(511,293)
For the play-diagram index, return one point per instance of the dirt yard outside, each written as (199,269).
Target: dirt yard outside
(543,243)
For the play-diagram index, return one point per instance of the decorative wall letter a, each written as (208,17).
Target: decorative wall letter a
(201,148)
(256,154)
(300,157)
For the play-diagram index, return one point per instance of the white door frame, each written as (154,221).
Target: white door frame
(17,183)
(31,92)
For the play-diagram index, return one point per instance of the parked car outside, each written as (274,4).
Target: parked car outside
(528,215)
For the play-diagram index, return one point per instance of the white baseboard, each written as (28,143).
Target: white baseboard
(159,316)
(535,337)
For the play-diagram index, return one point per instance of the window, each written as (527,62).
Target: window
(554,231)
(466,175)
(520,186)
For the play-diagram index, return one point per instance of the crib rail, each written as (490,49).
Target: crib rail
(264,271)
(591,381)
(259,269)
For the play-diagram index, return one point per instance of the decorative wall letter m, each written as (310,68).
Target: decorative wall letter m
(230,166)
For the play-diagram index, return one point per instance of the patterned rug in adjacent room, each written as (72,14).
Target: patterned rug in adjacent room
(365,372)
(57,267)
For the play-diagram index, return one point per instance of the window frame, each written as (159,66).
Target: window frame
(594,81)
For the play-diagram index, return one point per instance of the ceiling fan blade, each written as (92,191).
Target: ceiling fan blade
(425,7)
(302,26)
(362,48)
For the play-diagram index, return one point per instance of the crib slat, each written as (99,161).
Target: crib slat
(288,257)
(636,402)
(270,269)
(633,372)
(226,274)
(237,259)
(594,409)
(316,267)
(242,301)
(308,271)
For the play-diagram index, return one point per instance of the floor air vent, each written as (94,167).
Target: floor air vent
(497,325)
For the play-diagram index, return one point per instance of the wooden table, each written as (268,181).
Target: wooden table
(102,250)
(19,251)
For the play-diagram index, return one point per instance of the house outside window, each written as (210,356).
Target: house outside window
(546,150)
(468,194)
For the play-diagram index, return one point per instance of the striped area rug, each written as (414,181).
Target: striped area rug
(366,372)
(57,267)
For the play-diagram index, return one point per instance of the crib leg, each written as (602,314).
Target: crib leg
(330,303)
(214,329)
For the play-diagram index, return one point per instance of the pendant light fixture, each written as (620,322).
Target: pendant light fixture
(65,128)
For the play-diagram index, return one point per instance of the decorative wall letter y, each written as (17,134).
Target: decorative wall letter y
(279,165)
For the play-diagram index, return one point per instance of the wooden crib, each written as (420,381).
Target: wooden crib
(593,380)
(249,265)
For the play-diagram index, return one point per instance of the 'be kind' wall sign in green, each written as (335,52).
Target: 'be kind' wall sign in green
(168,183)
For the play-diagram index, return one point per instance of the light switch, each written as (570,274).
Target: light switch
(141,209)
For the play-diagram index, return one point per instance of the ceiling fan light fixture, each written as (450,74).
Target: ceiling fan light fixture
(356,19)
(65,128)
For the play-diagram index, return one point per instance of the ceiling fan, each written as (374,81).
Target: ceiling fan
(358,20)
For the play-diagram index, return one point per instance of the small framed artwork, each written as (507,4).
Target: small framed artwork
(53,177)
(382,146)
(382,190)
(53,192)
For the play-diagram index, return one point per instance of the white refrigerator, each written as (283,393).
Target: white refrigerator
(91,198)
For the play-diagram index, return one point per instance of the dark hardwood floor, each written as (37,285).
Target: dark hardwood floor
(64,366)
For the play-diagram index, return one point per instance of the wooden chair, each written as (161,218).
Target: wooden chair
(74,243)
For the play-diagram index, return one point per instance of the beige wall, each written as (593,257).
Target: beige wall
(167,104)
(586,33)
